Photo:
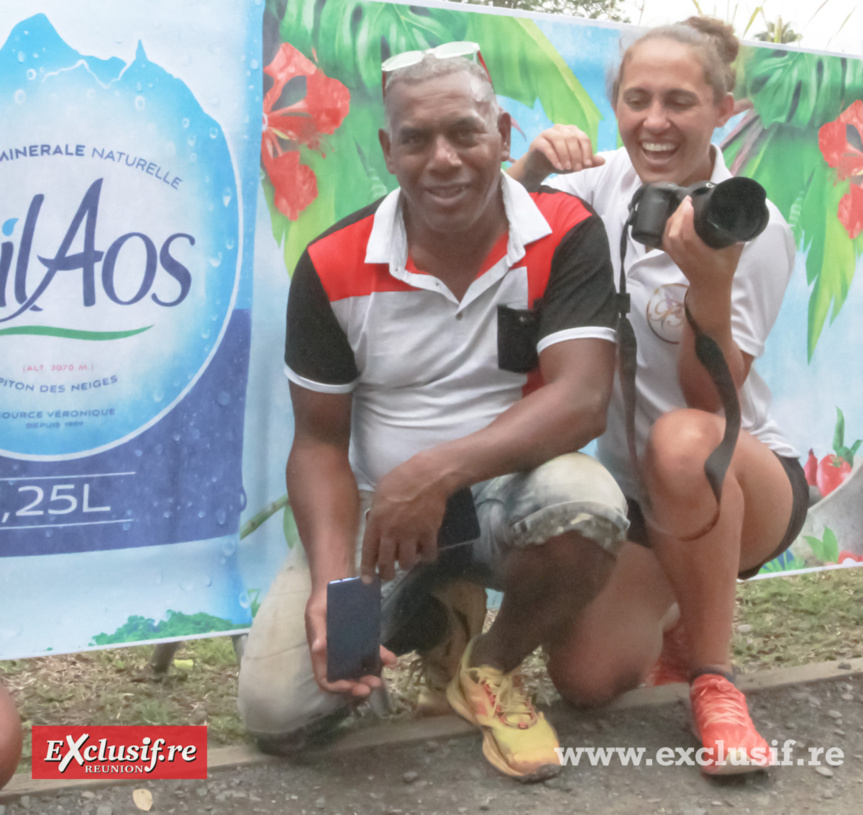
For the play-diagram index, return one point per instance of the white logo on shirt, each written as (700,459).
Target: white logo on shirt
(665,312)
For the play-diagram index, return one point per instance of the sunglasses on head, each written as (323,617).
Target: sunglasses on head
(447,50)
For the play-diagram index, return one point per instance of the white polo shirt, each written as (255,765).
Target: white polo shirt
(423,367)
(657,288)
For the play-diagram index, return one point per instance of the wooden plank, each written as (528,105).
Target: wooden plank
(446,727)
(237,755)
(800,675)
(21,784)
(438,727)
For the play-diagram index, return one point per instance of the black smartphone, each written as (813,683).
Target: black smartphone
(460,523)
(353,628)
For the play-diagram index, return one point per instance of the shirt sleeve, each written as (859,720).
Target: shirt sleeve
(580,299)
(317,353)
(585,183)
(760,281)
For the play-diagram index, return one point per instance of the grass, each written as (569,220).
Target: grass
(799,620)
(118,687)
(781,622)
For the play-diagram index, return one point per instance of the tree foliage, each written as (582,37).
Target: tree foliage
(779,143)
(611,10)
(780,32)
(349,40)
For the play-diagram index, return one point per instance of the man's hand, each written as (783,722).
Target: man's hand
(316,633)
(403,523)
(560,149)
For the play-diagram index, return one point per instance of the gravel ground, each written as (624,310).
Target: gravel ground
(450,776)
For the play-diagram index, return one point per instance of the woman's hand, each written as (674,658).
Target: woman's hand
(560,149)
(709,271)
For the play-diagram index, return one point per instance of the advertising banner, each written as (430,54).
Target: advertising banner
(157,159)
(128,164)
(798,133)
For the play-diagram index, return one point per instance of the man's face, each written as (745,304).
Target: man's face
(445,147)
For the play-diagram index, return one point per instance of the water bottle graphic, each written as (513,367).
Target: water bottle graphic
(125,349)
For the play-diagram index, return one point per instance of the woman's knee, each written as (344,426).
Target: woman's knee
(677,448)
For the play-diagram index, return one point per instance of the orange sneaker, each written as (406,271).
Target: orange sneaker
(674,663)
(517,740)
(721,721)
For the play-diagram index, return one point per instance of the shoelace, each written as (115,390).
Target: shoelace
(728,706)
(510,702)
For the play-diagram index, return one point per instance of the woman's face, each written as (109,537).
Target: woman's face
(666,113)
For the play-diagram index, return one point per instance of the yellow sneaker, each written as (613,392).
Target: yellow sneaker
(516,740)
(465,606)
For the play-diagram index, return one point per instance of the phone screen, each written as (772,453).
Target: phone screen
(353,628)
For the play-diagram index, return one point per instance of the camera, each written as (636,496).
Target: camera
(725,213)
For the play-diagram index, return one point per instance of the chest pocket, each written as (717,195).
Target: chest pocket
(517,336)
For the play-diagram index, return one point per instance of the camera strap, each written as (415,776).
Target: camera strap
(710,355)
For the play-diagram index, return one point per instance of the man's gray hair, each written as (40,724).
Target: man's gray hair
(430,67)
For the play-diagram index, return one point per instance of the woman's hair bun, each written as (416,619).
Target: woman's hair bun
(722,34)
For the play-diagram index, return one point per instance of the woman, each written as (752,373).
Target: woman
(672,90)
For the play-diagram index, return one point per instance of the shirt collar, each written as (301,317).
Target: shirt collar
(388,240)
(719,173)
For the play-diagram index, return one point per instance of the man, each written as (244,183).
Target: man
(413,327)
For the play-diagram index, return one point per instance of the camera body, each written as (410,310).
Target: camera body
(725,213)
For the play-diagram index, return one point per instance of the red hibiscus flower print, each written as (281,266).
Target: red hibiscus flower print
(851,211)
(320,112)
(841,144)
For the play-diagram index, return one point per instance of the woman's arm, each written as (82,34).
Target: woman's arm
(734,296)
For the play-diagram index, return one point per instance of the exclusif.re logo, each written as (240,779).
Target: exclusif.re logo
(88,752)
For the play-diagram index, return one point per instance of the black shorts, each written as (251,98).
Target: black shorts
(799,507)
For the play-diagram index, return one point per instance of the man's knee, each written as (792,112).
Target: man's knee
(277,692)
(277,703)
(590,680)
(571,493)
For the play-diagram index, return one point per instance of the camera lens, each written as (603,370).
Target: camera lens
(734,210)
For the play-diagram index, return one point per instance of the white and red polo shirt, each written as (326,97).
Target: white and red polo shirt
(423,367)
